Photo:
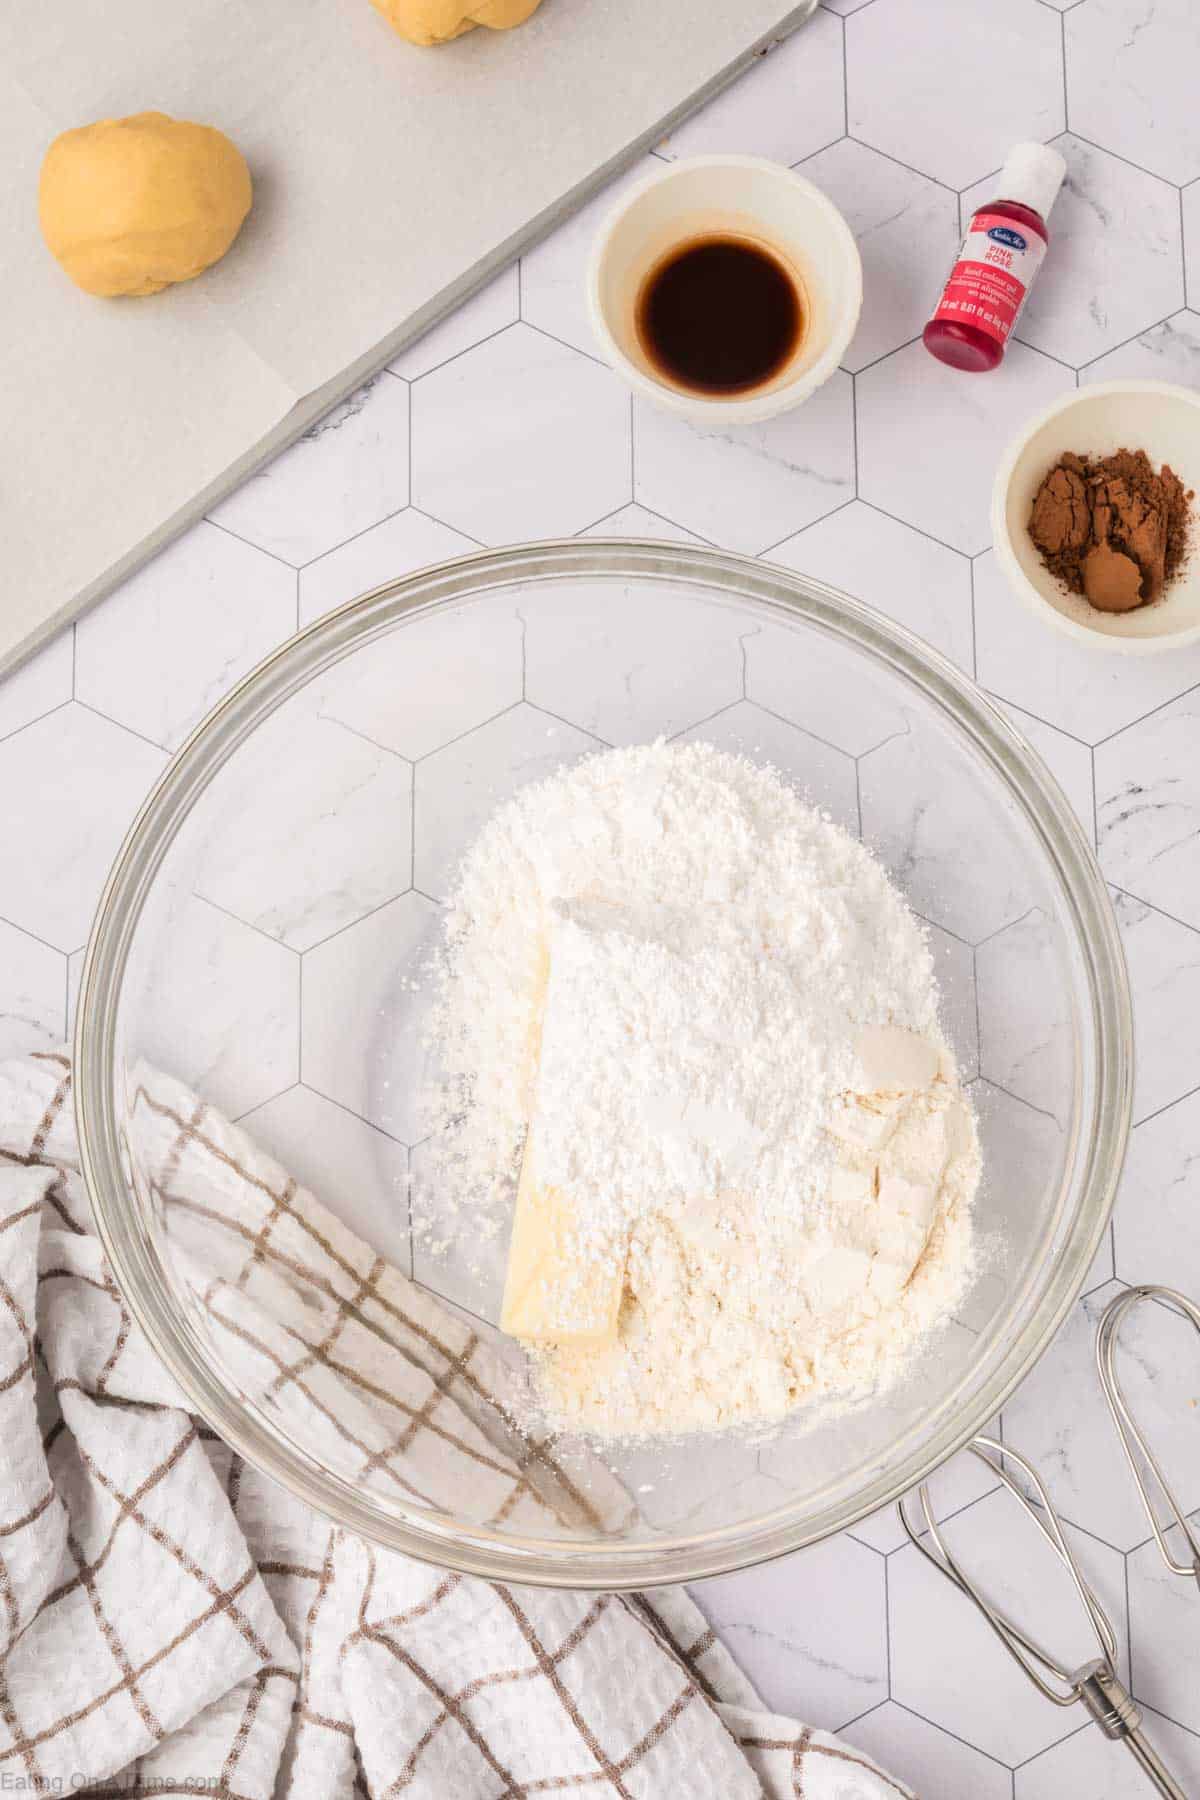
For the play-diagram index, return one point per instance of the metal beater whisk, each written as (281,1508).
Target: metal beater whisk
(1138,1454)
(1096,1684)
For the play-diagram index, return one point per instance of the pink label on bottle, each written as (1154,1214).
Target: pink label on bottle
(993,274)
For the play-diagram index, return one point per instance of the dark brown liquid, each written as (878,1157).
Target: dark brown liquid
(720,315)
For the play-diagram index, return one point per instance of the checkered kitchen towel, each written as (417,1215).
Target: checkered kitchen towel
(171,1623)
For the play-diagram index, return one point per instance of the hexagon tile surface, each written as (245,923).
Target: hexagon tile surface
(502,423)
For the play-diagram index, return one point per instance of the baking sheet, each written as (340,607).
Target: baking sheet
(390,181)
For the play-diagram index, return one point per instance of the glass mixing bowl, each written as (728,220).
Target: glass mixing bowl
(263,938)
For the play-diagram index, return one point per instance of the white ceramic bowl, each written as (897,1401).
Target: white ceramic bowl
(748,197)
(1153,416)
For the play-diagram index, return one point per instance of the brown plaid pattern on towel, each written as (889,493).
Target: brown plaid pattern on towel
(171,1623)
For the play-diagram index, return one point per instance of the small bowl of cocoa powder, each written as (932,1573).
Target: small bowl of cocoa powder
(1094,515)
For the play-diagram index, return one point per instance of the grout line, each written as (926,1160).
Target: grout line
(887,1626)
(469,732)
(247,924)
(812,524)
(553,338)
(38,717)
(414,381)
(899,161)
(1159,1111)
(120,724)
(883,356)
(1104,150)
(1161,911)
(854,428)
(350,1113)
(920,529)
(249,542)
(1062,40)
(1088,1725)
(1142,717)
(304,567)
(974,640)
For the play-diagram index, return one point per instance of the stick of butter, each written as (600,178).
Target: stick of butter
(553,1293)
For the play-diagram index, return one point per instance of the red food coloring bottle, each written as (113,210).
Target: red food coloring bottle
(996,263)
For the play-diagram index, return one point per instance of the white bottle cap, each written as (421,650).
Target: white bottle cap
(1032,174)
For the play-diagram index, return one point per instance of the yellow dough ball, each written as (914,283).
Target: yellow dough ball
(130,205)
(437,21)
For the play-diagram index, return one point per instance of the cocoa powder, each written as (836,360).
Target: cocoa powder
(1111,528)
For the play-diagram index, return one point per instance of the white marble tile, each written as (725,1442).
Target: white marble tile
(399,546)
(638,521)
(366,997)
(821,686)
(958,1483)
(1089,1764)
(934,1764)
(1155,1218)
(484,314)
(824,776)
(747,486)
(995,79)
(1148,808)
(33,987)
(809,1631)
(1131,78)
(962,424)
(1076,1447)
(1162,1637)
(489,435)
(160,652)
(1167,352)
(356,1171)
(1089,693)
(919,808)
(347,472)
(1026,1028)
(1069,761)
(458,788)
(907,231)
(70,784)
(922,585)
(220,1008)
(1163,958)
(788,105)
(430,680)
(1191,241)
(38,686)
(554,272)
(316,829)
(947,1664)
(599,657)
(1114,265)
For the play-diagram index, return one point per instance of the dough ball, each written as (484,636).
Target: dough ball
(130,205)
(436,21)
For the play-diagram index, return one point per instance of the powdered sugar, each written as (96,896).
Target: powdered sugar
(715,947)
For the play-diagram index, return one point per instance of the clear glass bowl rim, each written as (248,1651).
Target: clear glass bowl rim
(131,1245)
